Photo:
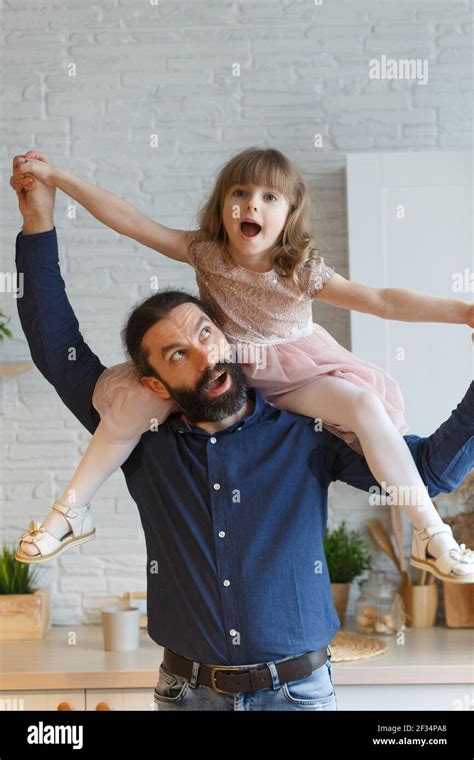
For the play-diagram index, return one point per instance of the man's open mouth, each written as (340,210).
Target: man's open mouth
(217,382)
(250,229)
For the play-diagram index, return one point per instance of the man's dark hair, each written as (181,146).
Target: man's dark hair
(150,312)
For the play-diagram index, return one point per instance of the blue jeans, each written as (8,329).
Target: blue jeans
(315,692)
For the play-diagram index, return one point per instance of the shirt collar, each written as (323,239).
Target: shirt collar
(261,410)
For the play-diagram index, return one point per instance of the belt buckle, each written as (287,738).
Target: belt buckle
(213,677)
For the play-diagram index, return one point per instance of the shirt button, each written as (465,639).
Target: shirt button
(213,440)
(232,631)
(221,534)
(226,583)
(217,486)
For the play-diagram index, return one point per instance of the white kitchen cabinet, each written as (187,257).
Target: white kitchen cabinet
(120,699)
(410,226)
(411,697)
(42,700)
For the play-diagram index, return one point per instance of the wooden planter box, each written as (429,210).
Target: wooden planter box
(25,616)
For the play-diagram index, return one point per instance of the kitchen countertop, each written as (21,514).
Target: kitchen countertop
(435,655)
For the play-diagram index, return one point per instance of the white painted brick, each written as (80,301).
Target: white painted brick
(453,12)
(452,139)
(114,547)
(133,582)
(417,130)
(93,604)
(455,40)
(82,584)
(50,436)
(19,20)
(108,531)
(119,565)
(461,55)
(66,615)
(413,116)
(74,565)
(366,102)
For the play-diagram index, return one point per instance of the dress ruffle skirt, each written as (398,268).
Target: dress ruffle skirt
(127,408)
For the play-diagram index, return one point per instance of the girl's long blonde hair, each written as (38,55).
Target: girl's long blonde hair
(269,168)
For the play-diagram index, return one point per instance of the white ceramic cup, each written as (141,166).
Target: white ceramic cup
(121,628)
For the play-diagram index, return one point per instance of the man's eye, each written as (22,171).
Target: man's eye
(173,356)
(206,329)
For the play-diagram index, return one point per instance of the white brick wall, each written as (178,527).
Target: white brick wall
(166,68)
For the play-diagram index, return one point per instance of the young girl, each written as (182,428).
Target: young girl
(254,260)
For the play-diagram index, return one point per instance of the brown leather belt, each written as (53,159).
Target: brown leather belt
(225,678)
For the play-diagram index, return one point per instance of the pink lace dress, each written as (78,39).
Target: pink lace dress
(268,321)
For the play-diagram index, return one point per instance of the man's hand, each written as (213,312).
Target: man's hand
(470,315)
(36,205)
(35,166)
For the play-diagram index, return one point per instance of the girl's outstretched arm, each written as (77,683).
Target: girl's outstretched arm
(395,303)
(110,209)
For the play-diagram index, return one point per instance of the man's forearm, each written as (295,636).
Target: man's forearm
(34,224)
(51,327)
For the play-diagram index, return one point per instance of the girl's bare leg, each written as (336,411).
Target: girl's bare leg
(101,458)
(339,402)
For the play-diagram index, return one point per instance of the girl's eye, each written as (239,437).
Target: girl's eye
(266,195)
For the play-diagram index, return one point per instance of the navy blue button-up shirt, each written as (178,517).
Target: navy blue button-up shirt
(233,521)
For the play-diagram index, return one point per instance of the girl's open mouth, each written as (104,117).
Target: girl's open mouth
(249,230)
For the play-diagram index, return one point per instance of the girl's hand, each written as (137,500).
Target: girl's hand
(35,165)
(39,202)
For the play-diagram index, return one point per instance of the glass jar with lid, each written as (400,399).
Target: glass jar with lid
(379,608)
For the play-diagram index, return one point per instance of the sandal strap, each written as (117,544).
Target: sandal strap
(65,510)
(434,530)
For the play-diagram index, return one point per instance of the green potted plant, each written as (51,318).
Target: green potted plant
(347,557)
(4,331)
(25,611)
(10,367)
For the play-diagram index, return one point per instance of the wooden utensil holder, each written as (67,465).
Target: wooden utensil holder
(421,604)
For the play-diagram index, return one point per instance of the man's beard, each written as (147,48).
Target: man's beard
(198,406)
